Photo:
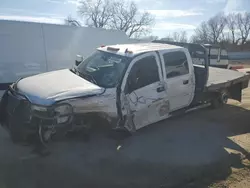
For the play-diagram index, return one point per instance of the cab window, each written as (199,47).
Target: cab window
(176,64)
(143,73)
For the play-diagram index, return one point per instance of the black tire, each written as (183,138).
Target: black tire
(216,103)
(119,134)
(15,132)
(43,138)
(219,100)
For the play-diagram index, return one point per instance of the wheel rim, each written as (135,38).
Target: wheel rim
(224,98)
(44,136)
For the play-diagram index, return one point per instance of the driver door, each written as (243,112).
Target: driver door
(144,91)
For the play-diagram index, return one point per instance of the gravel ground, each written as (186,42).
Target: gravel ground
(200,149)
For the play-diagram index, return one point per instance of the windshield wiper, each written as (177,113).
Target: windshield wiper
(85,76)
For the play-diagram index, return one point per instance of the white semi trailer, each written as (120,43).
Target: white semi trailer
(31,48)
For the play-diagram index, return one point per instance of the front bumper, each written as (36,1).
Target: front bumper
(20,121)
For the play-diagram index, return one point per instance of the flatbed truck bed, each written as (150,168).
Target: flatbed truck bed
(222,78)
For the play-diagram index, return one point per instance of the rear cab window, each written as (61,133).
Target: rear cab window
(176,64)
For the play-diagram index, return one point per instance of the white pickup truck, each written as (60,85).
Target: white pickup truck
(129,86)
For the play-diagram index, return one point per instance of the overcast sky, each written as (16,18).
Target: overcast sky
(171,15)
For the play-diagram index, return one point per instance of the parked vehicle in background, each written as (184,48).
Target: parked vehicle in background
(217,56)
(129,86)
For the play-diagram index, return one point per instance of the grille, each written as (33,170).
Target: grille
(45,115)
(18,107)
(13,102)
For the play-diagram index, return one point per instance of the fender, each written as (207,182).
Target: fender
(3,106)
(121,118)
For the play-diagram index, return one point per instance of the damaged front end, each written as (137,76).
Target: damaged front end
(27,122)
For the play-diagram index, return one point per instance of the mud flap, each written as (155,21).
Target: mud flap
(235,92)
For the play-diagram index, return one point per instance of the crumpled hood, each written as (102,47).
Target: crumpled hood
(47,88)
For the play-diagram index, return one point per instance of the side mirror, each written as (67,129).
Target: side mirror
(78,60)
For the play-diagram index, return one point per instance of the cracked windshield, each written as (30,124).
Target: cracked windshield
(124,93)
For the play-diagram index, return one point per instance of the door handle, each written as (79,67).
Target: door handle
(185,82)
(160,89)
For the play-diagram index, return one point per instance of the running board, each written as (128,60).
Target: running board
(187,110)
(198,107)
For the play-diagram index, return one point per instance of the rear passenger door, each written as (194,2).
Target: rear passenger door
(179,78)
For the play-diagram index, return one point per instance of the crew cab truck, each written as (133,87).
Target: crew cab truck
(129,86)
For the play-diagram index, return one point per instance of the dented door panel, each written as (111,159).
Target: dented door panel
(147,104)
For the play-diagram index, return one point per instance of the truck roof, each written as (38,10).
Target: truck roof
(138,48)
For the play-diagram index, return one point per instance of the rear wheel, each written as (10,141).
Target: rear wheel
(219,100)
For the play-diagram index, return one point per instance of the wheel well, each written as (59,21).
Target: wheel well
(97,119)
(233,92)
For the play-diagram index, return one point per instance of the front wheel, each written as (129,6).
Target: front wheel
(45,134)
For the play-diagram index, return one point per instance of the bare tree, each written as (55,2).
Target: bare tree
(243,23)
(180,36)
(114,14)
(231,20)
(168,38)
(126,17)
(72,22)
(201,34)
(216,26)
(150,38)
(213,30)
(97,13)
(210,31)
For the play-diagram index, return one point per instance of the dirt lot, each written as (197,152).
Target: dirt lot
(205,148)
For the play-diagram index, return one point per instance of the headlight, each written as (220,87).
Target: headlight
(63,119)
(38,108)
(63,113)
(63,110)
